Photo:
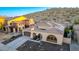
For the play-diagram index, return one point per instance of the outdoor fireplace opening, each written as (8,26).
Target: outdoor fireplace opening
(52,38)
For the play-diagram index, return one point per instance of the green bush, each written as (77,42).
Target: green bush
(67,31)
(76,21)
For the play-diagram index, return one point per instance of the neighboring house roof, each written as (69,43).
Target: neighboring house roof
(17,19)
(21,20)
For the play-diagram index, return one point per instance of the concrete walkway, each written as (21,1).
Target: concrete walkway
(6,48)
(18,42)
(74,47)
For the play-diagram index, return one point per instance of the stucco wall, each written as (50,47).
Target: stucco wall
(76,36)
(44,37)
(77,32)
(67,40)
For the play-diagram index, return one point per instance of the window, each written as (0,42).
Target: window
(27,33)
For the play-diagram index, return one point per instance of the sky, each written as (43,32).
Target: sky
(17,11)
(30,6)
(40,3)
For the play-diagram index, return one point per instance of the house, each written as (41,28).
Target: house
(46,31)
(18,24)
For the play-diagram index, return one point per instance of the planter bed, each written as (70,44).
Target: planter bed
(43,46)
(11,39)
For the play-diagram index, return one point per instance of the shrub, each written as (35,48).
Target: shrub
(76,21)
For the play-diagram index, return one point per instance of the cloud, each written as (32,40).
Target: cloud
(40,3)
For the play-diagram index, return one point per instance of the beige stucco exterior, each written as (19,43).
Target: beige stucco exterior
(77,36)
(45,35)
(59,37)
(67,40)
(76,32)
(46,30)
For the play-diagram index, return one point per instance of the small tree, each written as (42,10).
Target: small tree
(68,30)
(1,26)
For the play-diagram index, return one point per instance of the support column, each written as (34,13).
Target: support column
(18,29)
(8,29)
(23,33)
(14,30)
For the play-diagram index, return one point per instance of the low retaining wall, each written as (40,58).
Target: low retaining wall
(67,40)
